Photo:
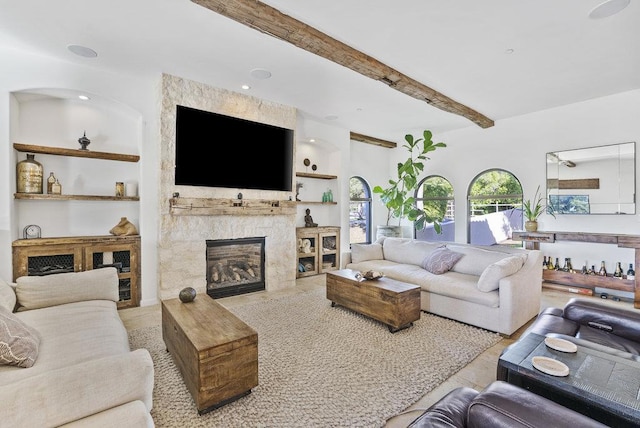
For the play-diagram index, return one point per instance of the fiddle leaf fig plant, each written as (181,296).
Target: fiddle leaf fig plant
(398,196)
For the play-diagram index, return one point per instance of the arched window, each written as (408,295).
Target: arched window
(435,195)
(359,211)
(495,202)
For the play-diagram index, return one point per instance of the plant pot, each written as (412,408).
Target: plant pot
(389,231)
(531,226)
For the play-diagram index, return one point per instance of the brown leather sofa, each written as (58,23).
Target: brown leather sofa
(499,405)
(592,324)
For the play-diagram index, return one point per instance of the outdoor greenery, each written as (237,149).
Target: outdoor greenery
(398,196)
(437,194)
(495,191)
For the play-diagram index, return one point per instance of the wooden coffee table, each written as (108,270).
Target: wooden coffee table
(216,352)
(391,302)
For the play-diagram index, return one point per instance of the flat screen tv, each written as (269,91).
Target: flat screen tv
(215,150)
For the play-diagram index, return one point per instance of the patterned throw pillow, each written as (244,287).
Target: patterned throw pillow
(441,260)
(18,342)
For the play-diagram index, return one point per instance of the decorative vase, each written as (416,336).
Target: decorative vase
(29,175)
(531,225)
(187,295)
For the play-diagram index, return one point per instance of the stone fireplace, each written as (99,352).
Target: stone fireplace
(235,266)
(185,228)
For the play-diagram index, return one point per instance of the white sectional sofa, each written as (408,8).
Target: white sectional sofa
(65,357)
(497,288)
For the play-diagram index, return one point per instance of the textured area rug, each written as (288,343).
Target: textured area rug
(322,366)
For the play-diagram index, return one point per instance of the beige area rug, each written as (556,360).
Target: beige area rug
(322,366)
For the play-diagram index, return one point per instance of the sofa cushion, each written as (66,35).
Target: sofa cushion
(19,343)
(476,259)
(441,260)
(491,276)
(41,291)
(7,296)
(364,252)
(405,250)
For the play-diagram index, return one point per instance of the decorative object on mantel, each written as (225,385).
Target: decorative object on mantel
(308,220)
(84,141)
(187,294)
(50,181)
(119,189)
(314,167)
(306,163)
(29,175)
(299,186)
(533,208)
(56,188)
(32,231)
(124,228)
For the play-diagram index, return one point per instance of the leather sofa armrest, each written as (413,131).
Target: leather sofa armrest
(449,411)
(504,405)
(614,320)
(552,320)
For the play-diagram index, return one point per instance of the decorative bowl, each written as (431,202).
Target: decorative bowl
(372,274)
(187,295)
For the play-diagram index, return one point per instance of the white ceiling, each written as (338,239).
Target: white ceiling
(457,47)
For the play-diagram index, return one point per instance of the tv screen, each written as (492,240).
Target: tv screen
(215,150)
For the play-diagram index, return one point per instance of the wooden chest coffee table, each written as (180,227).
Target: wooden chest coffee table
(216,352)
(391,302)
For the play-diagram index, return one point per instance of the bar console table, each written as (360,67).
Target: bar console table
(532,241)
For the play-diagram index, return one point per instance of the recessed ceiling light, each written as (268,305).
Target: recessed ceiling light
(312,140)
(260,73)
(84,97)
(246,87)
(608,8)
(509,51)
(82,51)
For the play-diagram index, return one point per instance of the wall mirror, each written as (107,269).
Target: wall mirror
(593,180)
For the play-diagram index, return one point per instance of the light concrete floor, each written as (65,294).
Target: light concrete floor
(477,374)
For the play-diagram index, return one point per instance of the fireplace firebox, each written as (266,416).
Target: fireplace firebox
(235,266)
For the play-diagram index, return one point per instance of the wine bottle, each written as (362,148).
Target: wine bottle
(544,263)
(550,265)
(603,270)
(618,272)
(592,271)
(557,264)
(631,274)
(584,269)
(569,265)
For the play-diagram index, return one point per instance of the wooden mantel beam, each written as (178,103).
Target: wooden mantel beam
(271,21)
(372,140)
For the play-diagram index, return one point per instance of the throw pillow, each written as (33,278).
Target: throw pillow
(18,342)
(364,252)
(490,278)
(441,260)
(7,296)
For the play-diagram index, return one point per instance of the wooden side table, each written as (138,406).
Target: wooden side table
(216,352)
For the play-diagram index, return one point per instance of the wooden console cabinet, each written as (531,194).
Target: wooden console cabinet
(532,241)
(323,250)
(46,256)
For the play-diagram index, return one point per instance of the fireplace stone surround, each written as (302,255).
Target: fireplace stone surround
(182,238)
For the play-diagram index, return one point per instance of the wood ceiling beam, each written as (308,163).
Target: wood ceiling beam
(372,140)
(271,21)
